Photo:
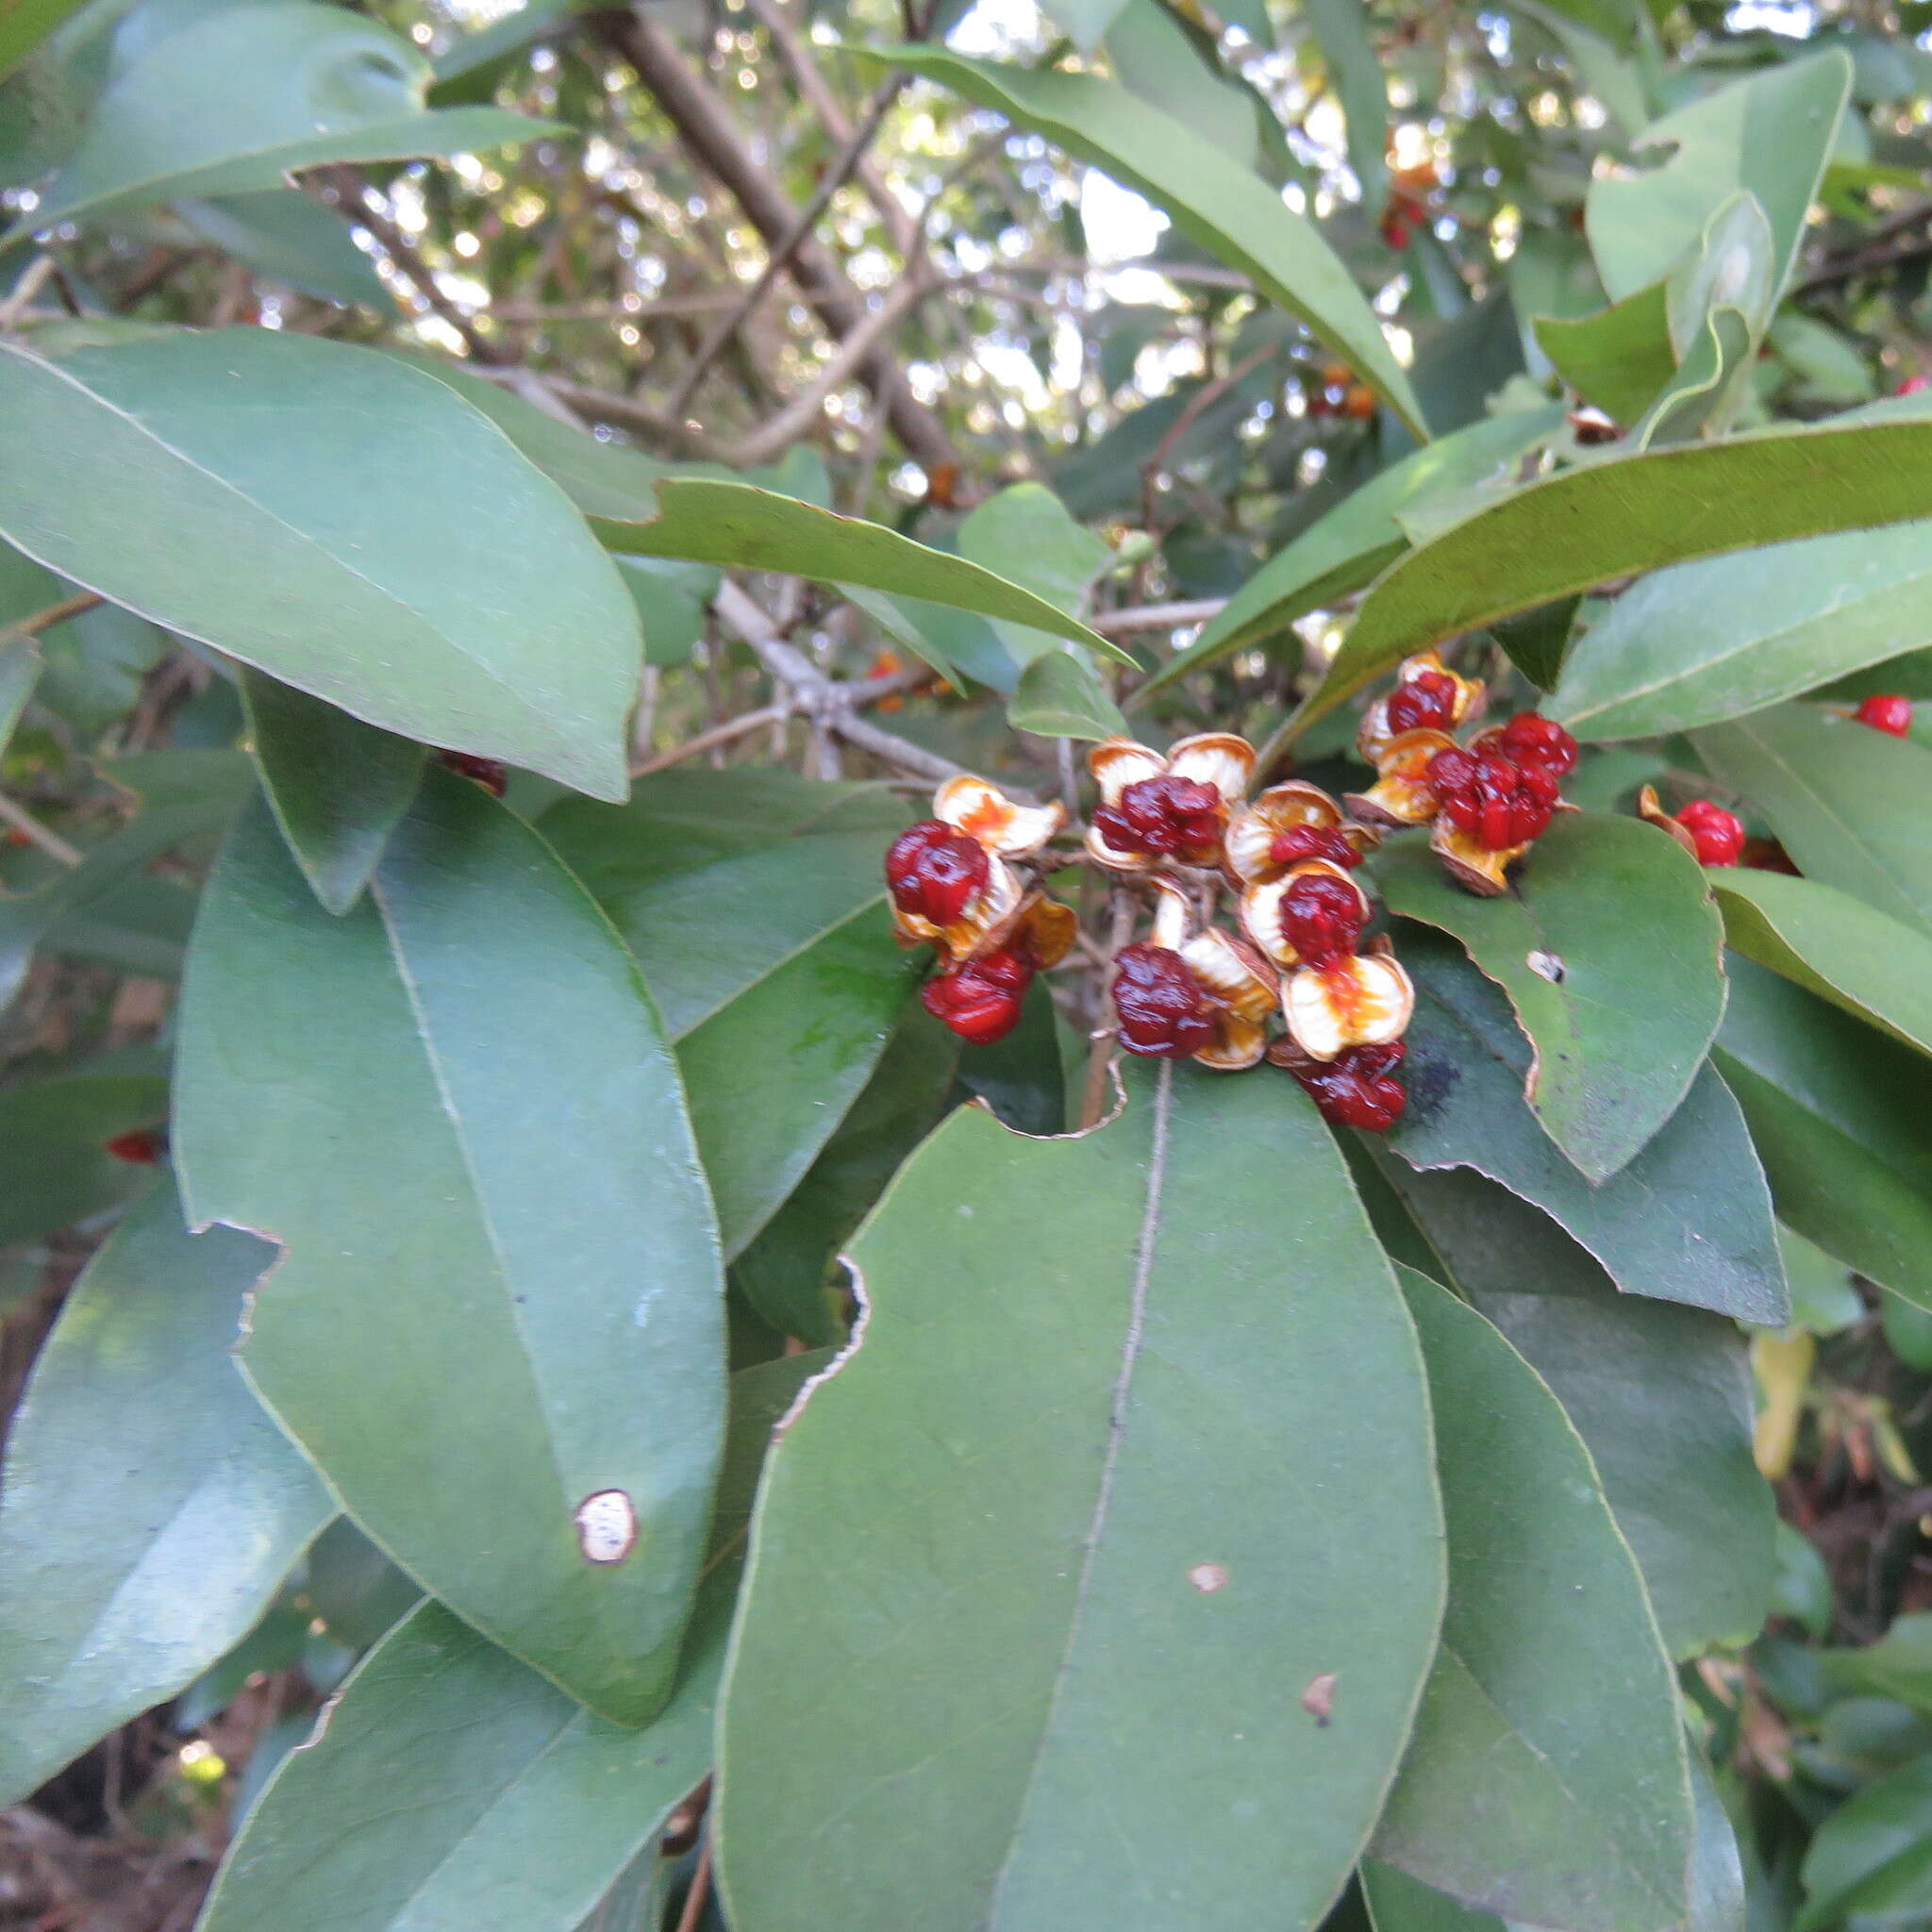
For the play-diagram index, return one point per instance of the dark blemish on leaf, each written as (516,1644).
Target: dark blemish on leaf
(1546,966)
(1318,1700)
(1207,1577)
(607,1527)
(1431,1080)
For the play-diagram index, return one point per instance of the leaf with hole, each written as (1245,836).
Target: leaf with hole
(447,1105)
(1619,1009)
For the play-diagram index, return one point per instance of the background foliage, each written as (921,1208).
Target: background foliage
(706,427)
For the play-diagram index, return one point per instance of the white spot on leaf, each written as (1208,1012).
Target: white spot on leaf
(1207,1577)
(1547,965)
(607,1527)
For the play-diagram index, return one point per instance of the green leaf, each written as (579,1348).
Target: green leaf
(1060,695)
(1083,21)
(290,237)
(1345,549)
(455,1109)
(449,1785)
(1837,946)
(1660,1395)
(1852,805)
(20,671)
(1609,949)
(1871,1859)
(705,521)
(1024,534)
(1822,1298)
(1157,59)
(1026,1586)
(336,786)
(1355,71)
(1704,643)
(151,1508)
(772,960)
(1581,1815)
(1398,1903)
(1771,135)
(1620,358)
(1215,202)
(357,532)
(232,103)
(55,1167)
(784,1272)
(1625,513)
(1837,1113)
(1899,1665)
(1687,1220)
(24,24)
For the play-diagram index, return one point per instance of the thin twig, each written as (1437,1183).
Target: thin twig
(1113,624)
(700,1889)
(21,298)
(719,734)
(51,615)
(1198,404)
(52,844)
(352,197)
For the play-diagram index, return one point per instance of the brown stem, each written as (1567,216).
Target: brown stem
(700,1889)
(1100,1053)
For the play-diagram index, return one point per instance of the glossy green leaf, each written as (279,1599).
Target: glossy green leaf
(1015,1603)
(455,1110)
(1771,134)
(1838,1114)
(1628,513)
(1398,1903)
(1156,58)
(1343,550)
(1024,534)
(290,237)
(1871,1859)
(784,1273)
(1898,1665)
(151,1508)
(1662,1395)
(233,102)
(1620,358)
(1215,202)
(772,964)
(336,786)
(1687,1220)
(55,1167)
(1581,1815)
(1060,695)
(1704,643)
(450,1788)
(1083,21)
(705,521)
(1838,947)
(1608,950)
(1852,805)
(1822,1298)
(357,532)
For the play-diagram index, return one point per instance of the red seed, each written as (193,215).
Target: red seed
(981,1001)
(1889,713)
(1531,738)
(1496,800)
(1301,842)
(1322,918)
(1425,702)
(1164,1013)
(1164,817)
(933,872)
(488,773)
(1358,1087)
(1719,834)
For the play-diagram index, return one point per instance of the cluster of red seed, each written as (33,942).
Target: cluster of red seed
(981,1000)
(1504,790)
(1358,1087)
(1167,817)
(1164,1011)
(934,873)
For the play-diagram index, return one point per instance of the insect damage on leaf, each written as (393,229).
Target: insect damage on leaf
(1318,1700)
(607,1527)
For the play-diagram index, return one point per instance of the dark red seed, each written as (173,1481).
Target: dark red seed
(1531,738)
(981,1001)
(1164,817)
(1322,918)
(488,773)
(1497,801)
(1358,1089)
(1302,842)
(1889,713)
(142,1146)
(933,872)
(1719,834)
(1164,1013)
(1425,702)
